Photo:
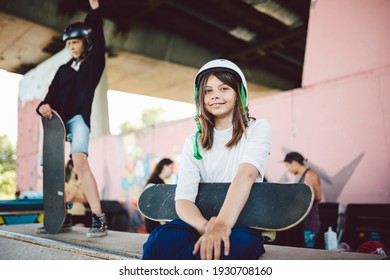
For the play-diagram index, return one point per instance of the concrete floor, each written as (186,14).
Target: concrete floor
(20,242)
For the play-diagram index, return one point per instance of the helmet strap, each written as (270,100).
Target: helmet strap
(243,95)
(196,146)
(196,90)
(196,118)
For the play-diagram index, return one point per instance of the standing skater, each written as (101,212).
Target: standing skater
(295,164)
(71,94)
(229,146)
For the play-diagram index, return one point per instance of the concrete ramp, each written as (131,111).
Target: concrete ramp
(20,242)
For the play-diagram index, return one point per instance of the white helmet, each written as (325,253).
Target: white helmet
(214,65)
(226,65)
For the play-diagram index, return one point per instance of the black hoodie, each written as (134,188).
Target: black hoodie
(71,92)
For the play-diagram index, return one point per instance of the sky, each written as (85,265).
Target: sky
(122,106)
(9,85)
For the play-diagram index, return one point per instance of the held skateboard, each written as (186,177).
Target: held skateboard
(53,173)
(270,206)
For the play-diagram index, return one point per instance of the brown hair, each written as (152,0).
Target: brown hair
(157,170)
(207,121)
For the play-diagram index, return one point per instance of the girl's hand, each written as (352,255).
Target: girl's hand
(94,4)
(209,244)
(45,111)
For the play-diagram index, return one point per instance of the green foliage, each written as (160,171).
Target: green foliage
(7,167)
(152,116)
(149,117)
(128,127)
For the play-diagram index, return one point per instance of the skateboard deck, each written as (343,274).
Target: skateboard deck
(53,173)
(270,206)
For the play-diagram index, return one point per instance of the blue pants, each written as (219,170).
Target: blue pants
(176,241)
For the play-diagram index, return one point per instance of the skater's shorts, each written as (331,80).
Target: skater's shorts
(78,135)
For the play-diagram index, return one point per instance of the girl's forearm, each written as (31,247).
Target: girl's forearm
(189,213)
(237,195)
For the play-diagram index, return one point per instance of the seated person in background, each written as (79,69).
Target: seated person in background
(161,172)
(73,191)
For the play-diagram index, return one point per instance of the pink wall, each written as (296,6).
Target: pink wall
(122,164)
(343,128)
(346,37)
(340,119)
(27,150)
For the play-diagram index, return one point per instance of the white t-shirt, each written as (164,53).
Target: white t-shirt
(220,164)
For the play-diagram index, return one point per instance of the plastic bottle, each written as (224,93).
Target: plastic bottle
(330,239)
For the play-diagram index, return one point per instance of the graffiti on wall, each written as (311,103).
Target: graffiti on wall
(137,166)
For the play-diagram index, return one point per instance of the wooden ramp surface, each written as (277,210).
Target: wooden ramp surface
(21,242)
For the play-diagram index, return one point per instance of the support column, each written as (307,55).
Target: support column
(99,118)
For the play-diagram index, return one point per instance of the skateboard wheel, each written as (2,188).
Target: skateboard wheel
(69,137)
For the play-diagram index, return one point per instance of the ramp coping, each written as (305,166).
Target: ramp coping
(74,248)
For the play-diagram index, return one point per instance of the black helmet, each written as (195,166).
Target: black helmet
(78,30)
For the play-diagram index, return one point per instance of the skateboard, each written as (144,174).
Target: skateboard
(270,206)
(53,173)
